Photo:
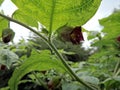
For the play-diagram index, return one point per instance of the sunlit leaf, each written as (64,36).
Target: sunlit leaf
(111,30)
(55,13)
(3,24)
(111,26)
(37,62)
(1,1)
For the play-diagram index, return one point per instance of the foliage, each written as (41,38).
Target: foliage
(1,1)
(106,59)
(72,52)
(55,13)
(3,24)
(41,64)
(7,57)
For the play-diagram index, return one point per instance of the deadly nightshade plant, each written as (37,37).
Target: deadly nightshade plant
(53,14)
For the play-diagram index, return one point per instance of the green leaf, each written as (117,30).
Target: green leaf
(117,78)
(5,88)
(1,1)
(37,62)
(55,13)
(26,17)
(111,26)
(72,86)
(111,31)
(93,34)
(91,79)
(7,57)
(112,82)
(3,24)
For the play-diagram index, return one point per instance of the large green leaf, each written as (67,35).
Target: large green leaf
(55,13)
(37,62)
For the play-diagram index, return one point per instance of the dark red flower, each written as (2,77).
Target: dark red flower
(7,35)
(7,38)
(2,67)
(118,38)
(76,35)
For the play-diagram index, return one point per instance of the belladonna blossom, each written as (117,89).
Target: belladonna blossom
(76,35)
(7,35)
(70,34)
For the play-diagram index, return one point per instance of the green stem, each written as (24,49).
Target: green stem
(70,70)
(118,72)
(55,50)
(116,68)
(51,19)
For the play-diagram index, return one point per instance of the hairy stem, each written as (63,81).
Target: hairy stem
(56,52)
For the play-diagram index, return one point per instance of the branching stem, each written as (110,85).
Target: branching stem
(51,45)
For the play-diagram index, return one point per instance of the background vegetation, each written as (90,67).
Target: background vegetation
(50,61)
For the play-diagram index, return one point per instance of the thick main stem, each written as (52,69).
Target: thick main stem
(53,48)
(70,70)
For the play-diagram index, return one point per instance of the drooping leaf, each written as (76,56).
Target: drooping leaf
(37,62)
(55,13)
(7,57)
